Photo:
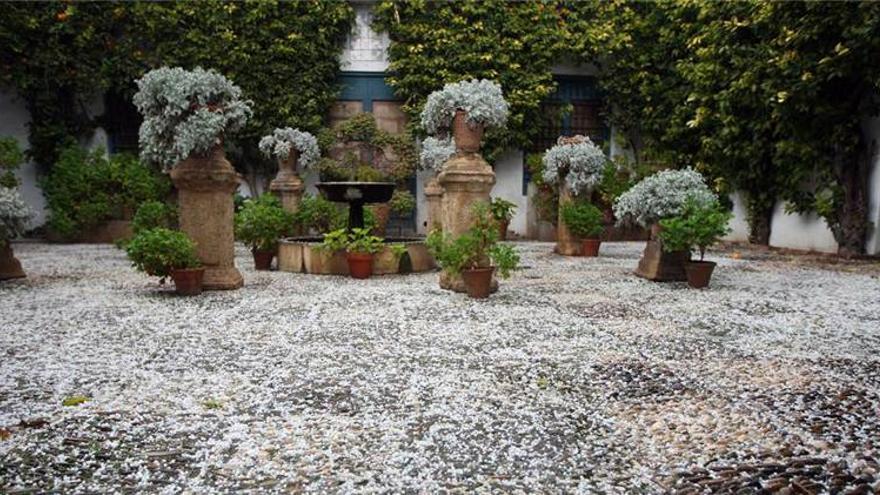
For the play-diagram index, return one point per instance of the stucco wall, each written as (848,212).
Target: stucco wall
(14,123)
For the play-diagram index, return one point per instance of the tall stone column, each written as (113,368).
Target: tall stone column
(434,200)
(205,185)
(466,179)
(567,244)
(287,184)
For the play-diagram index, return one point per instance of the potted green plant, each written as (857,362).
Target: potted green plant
(359,244)
(466,107)
(699,226)
(259,224)
(502,212)
(476,254)
(14,214)
(585,220)
(167,253)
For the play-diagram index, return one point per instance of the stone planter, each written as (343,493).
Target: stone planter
(10,267)
(567,244)
(287,184)
(661,266)
(381,212)
(467,138)
(304,255)
(205,185)
(434,200)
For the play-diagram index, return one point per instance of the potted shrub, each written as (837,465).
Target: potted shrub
(402,203)
(502,211)
(586,221)
(14,214)
(468,108)
(188,115)
(167,253)
(575,166)
(476,255)
(259,224)
(291,148)
(153,214)
(359,244)
(652,199)
(698,226)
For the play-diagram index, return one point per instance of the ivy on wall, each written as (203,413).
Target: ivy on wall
(434,42)
(284,55)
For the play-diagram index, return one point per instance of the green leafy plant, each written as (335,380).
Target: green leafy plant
(546,197)
(402,202)
(261,222)
(159,251)
(11,158)
(86,188)
(698,226)
(154,214)
(502,210)
(316,214)
(358,240)
(370,153)
(476,248)
(584,219)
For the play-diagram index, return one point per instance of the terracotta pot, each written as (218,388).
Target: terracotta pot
(699,273)
(478,282)
(502,229)
(188,282)
(591,247)
(263,259)
(467,138)
(9,266)
(381,212)
(360,265)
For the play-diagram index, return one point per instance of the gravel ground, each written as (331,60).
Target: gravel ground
(575,377)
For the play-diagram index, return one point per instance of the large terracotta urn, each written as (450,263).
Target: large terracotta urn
(10,267)
(466,179)
(205,186)
(287,183)
(659,265)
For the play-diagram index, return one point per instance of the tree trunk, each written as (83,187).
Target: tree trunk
(760,211)
(851,223)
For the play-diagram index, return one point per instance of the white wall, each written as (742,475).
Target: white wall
(800,231)
(365,50)
(739,225)
(872,128)
(509,186)
(14,123)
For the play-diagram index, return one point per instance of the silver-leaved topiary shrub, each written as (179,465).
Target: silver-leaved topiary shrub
(579,164)
(662,195)
(186,112)
(14,214)
(482,99)
(435,152)
(282,140)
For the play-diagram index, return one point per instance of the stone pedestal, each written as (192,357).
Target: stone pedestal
(434,200)
(567,244)
(10,267)
(466,179)
(287,184)
(205,186)
(661,266)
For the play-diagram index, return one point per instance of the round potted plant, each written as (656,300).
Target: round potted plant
(585,221)
(468,108)
(502,212)
(187,117)
(475,254)
(167,253)
(292,148)
(698,226)
(14,214)
(359,244)
(259,224)
(652,199)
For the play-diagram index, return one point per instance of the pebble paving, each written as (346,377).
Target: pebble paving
(576,377)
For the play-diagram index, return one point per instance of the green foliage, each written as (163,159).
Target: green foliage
(154,214)
(434,42)
(261,222)
(371,153)
(58,55)
(546,198)
(502,210)
(402,202)
(86,188)
(476,248)
(398,250)
(11,158)
(358,240)
(74,400)
(158,251)
(316,214)
(584,219)
(698,227)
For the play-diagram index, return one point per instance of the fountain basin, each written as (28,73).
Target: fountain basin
(304,255)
